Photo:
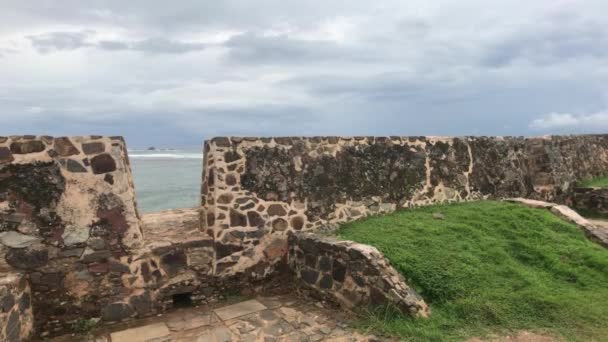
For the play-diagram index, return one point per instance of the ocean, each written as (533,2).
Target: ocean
(166,179)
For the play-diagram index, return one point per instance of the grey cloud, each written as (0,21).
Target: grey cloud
(161,17)
(112,45)
(57,41)
(48,42)
(386,86)
(161,45)
(555,40)
(152,45)
(252,48)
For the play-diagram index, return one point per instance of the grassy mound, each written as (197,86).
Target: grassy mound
(491,267)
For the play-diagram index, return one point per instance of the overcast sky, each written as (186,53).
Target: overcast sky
(170,73)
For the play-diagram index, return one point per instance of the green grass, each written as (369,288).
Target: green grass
(490,267)
(599,182)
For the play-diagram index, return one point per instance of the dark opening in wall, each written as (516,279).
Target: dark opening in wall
(182,300)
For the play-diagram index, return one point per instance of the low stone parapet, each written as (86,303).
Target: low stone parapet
(593,201)
(352,274)
(16,315)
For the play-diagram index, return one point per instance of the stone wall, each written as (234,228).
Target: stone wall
(69,221)
(16,316)
(352,274)
(255,190)
(590,201)
(69,224)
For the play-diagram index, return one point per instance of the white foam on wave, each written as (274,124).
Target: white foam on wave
(168,155)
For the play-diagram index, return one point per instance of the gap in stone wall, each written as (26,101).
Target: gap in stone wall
(166,179)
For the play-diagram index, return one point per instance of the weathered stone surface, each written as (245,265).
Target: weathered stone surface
(91,255)
(116,312)
(142,303)
(593,201)
(5,155)
(255,220)
(174,262)
(339,271)
(74,235)
(532,203)
(108,178)
(7,302)
(309,276)
(231,156)
(27,258)
(360,275)
(17,240)
(317,183)
(26,147)
(152,332)
(237,219)
(13,327)
(74,166)
(221,141)
(230,178)
(65,147)
(297,223)
(276,249)
(224,250)
(276,210)
(103,163)
(225,199)
(40,185)
(16,314)
(25,302)
(50,207)
(326,282)
(96,243)
(239,309)
(279,225)
(288,319)
(93,148)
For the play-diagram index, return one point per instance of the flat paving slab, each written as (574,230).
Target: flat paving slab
(239,309)
(271,318)
(189,321)
(151,332)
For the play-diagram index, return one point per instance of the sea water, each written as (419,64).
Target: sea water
(166,179)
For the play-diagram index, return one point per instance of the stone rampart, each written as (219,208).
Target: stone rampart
(255,190)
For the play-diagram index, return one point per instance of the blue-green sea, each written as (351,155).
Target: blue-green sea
(166,179)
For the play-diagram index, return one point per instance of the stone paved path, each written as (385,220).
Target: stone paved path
(276,318)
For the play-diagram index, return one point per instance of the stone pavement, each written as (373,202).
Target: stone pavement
(275,318)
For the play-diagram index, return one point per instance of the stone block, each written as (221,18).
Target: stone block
(239,309)
(150,332)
